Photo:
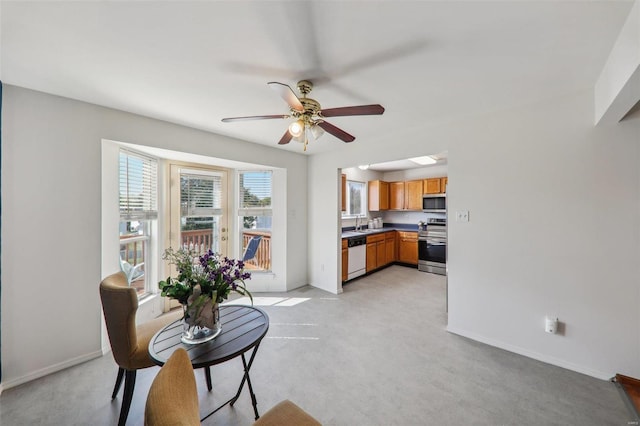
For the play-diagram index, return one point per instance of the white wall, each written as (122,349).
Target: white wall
(51,245)
(554,229)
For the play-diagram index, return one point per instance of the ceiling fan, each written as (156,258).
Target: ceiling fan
(309,115)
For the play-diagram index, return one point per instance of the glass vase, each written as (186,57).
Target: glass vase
(194,334)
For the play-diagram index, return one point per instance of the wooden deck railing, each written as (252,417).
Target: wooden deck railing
(262,260)
(200,241)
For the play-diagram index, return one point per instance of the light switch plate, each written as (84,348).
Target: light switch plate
(462,216)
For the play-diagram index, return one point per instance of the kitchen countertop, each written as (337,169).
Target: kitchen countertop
(365,232)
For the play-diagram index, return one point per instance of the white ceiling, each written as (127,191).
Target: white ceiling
(194,63)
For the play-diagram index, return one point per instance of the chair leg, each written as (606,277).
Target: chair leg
(207,373)
(129,384)
(118,383)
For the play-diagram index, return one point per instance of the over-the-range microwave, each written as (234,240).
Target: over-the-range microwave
(434,203)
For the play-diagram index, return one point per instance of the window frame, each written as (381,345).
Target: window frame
(144,211)
(258,211)
(348,214)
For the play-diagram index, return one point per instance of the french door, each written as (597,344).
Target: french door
(198,210)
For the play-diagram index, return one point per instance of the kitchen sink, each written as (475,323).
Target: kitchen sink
(365,231)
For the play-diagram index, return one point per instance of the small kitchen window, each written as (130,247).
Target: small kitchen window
(356,199)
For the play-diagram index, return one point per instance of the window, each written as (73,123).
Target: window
(138,212)
(254,218)
(356,199)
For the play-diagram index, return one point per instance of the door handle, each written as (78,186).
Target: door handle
(223,230)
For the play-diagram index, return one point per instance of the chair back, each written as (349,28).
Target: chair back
(119,304)
(173,396)
(252,248)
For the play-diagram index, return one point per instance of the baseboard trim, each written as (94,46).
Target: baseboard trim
(49,370)
(531,354)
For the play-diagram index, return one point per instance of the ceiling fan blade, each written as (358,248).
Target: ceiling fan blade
(286,138)
(353,110)
(254,117)
(338,133)
(287,94)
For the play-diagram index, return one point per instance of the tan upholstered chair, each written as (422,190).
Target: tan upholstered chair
(129,344)
(173,396)
(173,400)
(286,413)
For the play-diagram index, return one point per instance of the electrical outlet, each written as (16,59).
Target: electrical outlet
(462,216)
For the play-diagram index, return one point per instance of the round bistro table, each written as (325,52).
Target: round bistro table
(243,328)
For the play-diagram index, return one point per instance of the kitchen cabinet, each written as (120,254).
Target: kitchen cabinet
(376,251)
(390,246)
(432,185)
(408,247)
(344,192)
(345,259)
(436,185)
(405,195)
(413,195)
(378,195)
(396,195)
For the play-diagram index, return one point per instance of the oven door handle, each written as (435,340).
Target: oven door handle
(436,241)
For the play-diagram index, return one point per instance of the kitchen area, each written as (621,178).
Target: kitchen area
(394,213)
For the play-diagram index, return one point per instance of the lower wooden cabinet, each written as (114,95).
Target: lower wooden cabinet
(385,248)
(408,247)
(390,246)
(381,250)
(376,253)
(345,260)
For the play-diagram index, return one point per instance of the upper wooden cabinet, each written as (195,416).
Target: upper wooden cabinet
(405,195)
(378,195)
(413,195)
(396,195)
(435,185)
(344,192)
(432,186)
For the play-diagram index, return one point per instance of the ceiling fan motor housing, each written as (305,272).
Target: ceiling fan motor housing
(305,87)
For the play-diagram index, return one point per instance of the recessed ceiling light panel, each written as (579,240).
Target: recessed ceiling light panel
(423,161)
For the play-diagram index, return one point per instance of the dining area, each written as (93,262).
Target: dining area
(173,395)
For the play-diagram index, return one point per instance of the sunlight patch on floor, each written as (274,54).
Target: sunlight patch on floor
(268,301)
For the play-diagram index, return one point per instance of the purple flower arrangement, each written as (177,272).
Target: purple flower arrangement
(214,276)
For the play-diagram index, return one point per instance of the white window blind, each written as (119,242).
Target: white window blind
(200,194)
(255,193)
(138,186)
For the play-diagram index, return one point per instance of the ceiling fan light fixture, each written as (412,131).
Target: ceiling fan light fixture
(296,128)
(423,161)
(317,131)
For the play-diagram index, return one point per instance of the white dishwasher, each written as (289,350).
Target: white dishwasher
(357,257)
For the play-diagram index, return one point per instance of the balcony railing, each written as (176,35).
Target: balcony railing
(262,261)
(200,241)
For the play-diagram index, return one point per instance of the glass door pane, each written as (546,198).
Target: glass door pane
(202,210)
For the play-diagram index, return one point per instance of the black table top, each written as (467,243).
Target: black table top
(243,327)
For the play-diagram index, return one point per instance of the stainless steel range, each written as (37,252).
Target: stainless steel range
(432,247)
